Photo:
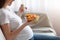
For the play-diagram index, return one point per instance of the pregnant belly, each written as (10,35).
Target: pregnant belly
(25,34)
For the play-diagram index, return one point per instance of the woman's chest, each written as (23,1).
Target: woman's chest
(15,21)
(13,17)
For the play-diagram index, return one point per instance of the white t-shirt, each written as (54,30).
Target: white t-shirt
(8,16)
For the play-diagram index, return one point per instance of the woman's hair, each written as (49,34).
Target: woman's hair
(2,2)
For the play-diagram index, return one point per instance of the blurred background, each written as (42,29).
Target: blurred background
(50,7)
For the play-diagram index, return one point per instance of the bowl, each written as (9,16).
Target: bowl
(32,17)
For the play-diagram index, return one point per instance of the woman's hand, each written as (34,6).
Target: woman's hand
(21,9)
(30,23)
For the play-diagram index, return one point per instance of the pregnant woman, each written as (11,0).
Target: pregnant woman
(12,25)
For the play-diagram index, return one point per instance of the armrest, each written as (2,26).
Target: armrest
(44,21)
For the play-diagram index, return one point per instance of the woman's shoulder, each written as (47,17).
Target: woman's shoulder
(3,12)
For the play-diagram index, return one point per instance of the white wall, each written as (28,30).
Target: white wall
(53,10)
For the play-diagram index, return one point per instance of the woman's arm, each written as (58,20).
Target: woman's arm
(11,34)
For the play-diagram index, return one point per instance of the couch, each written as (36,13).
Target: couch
(44,26)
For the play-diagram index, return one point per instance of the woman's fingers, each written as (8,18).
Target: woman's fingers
(21,9)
